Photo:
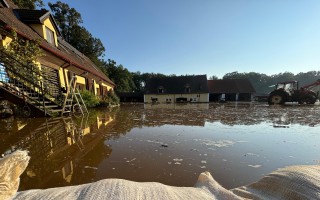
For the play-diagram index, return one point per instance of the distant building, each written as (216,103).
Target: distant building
(177,89)
(231,90)
(130,96)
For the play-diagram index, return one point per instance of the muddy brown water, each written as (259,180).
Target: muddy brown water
(167,143)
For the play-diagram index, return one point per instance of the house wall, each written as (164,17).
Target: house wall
(81,80)
(165,98)
(109,87)
(47,23)
(41,30)
(63,83)
(231,97)
(96,87)
(6,41)
(63,73)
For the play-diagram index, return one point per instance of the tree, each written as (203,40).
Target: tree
(69,21)
(28,4)
(120,76)
(260,82)
(213,77)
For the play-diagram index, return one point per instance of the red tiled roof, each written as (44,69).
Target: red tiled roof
(12,22)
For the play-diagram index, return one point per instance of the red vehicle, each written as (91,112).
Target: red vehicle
(289,92)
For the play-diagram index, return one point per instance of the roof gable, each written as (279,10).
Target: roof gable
(35,17)
(177,84)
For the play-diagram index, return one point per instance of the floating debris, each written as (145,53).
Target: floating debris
(177,163)
(242,141)
(178,159)
(219,143)
(255,166)
(164,145)
(194,150)
(88,167)
(203,161)
(31,174)
(128,161)
(251,154)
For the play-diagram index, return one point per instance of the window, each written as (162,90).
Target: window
(50,36)
(160,90)
(188,89)
(3,74)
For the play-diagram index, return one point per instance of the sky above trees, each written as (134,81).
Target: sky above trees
(206,37)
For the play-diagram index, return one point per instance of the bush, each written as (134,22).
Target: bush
(89,99)
(110,99)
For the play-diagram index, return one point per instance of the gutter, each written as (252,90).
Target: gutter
(61,56)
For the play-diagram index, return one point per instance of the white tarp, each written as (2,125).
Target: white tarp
(297,182)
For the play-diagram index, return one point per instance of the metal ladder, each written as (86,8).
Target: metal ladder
(73,93)
(75,132)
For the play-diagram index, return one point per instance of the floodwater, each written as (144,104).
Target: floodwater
(167,143)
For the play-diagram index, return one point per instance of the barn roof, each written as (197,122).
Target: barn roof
(177,84)
(230,86)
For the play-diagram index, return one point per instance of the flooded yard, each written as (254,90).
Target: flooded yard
(167,143)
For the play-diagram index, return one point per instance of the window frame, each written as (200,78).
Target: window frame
(50,36)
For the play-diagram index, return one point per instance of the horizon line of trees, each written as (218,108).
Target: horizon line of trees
(70,22)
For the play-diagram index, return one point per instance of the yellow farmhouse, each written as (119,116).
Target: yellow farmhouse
(59,63)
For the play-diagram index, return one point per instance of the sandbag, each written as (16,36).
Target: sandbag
(295,182)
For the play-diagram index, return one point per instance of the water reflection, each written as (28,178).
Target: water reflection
(169,143)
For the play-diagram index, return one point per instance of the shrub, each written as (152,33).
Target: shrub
(110,99)
(89,98)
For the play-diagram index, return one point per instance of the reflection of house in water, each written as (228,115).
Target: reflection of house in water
(57,145)
(175,114)
(130,96)
(201,106)
(231,90)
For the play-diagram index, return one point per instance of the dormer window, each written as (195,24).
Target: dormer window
(50,36)
(160,90)
(187,89)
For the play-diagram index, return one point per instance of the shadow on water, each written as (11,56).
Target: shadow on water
(168,143)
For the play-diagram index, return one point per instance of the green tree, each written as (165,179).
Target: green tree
(260,82)
(307,77)
(120,76)
(69,21)
(213,77)
(28,4)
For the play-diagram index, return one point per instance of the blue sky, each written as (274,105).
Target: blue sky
(210,37)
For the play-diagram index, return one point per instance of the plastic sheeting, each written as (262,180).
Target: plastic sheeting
(295,182)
